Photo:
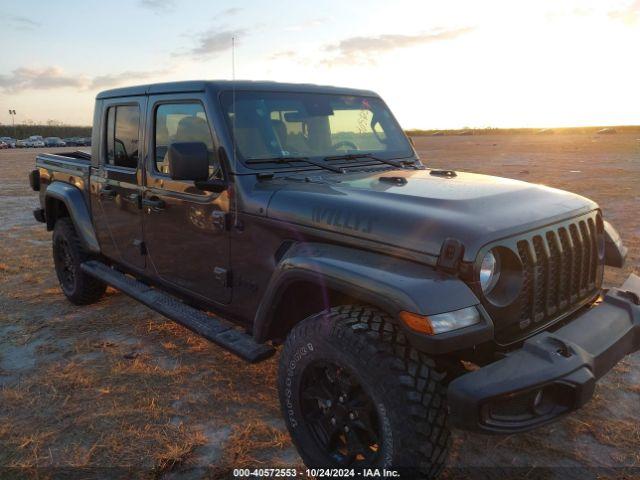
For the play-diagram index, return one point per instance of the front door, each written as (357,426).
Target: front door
(185,229)
(116,185)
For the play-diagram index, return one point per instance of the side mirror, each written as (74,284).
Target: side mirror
(188,161)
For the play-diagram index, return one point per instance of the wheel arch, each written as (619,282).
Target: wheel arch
(313,277)
(64,200)
(302,294)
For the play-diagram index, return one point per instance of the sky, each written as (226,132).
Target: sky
(453,64)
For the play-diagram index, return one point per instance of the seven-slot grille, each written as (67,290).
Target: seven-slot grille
(560,269)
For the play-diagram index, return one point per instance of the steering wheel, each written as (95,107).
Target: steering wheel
(345,143)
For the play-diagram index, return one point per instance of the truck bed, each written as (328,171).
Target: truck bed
(72,167)
(70,163)
(81,159)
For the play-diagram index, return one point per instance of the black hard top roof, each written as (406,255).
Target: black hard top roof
(220,85)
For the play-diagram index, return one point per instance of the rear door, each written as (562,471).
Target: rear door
(186,232)
(116,185)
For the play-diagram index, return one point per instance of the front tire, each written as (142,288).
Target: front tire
(68,254)
(355,394)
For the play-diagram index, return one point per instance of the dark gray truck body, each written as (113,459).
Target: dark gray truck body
(275,245)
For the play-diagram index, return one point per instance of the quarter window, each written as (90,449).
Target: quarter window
(123,129)
(182,122)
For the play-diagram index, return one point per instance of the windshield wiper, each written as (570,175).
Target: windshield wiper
(355,156)
(293,159)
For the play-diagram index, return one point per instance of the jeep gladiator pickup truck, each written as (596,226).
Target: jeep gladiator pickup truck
(407,300)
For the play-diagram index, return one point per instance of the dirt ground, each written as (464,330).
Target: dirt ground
(115,390)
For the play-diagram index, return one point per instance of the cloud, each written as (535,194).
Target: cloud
(629,15)
(215,42)
(23,23)
(230,11)
(39,79)
(55,78)
(157,5)
(283,54)
(365,49)
(102,82)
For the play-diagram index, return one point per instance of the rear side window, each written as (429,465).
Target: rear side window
(111,118)
(123,127)
(182,122)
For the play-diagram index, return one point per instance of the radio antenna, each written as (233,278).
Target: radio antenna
(233,126)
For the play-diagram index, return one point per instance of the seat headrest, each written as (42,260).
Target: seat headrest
(193,129)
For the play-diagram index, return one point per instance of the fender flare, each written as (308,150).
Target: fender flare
(389,283)
(615,253)
(74,200)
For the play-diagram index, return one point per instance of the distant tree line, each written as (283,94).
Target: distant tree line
(521,131)
(65,131)
(62,131)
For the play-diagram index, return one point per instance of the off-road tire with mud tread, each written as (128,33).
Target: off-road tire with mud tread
(84,289)
(403,383)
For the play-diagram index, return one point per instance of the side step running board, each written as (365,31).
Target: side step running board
(219,331)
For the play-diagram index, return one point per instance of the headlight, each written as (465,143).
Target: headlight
(443,322)
(489,272)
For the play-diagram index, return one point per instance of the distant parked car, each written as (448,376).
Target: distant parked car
(54,142)
(30,143)
(78,141)
(3,145)
(35,141)
(11,142)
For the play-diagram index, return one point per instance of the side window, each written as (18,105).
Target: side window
(111,122)
(123,126)
(182,122)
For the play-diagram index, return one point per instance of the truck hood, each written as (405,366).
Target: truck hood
(418,210)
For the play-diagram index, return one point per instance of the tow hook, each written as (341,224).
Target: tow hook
(561,347)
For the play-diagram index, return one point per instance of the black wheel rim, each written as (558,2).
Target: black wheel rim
(66,267)
(341,416)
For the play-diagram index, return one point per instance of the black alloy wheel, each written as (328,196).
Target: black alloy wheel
(340,414)
(64,265)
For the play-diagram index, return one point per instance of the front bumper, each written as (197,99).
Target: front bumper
(553,373)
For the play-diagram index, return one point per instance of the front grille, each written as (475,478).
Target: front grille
(559,271)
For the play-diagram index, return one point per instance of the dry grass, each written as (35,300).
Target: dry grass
(253,444)
(115,385)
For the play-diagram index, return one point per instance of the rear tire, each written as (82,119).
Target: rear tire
(355,394)
(68,254)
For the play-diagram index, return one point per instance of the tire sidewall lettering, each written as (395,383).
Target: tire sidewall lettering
(299,355)
(387,436)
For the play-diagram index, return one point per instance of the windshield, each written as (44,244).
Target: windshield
(283,124)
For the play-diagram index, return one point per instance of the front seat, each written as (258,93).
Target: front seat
(193,129)
(281,132)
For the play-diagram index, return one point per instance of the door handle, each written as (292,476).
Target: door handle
(107,192)
(153,204)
